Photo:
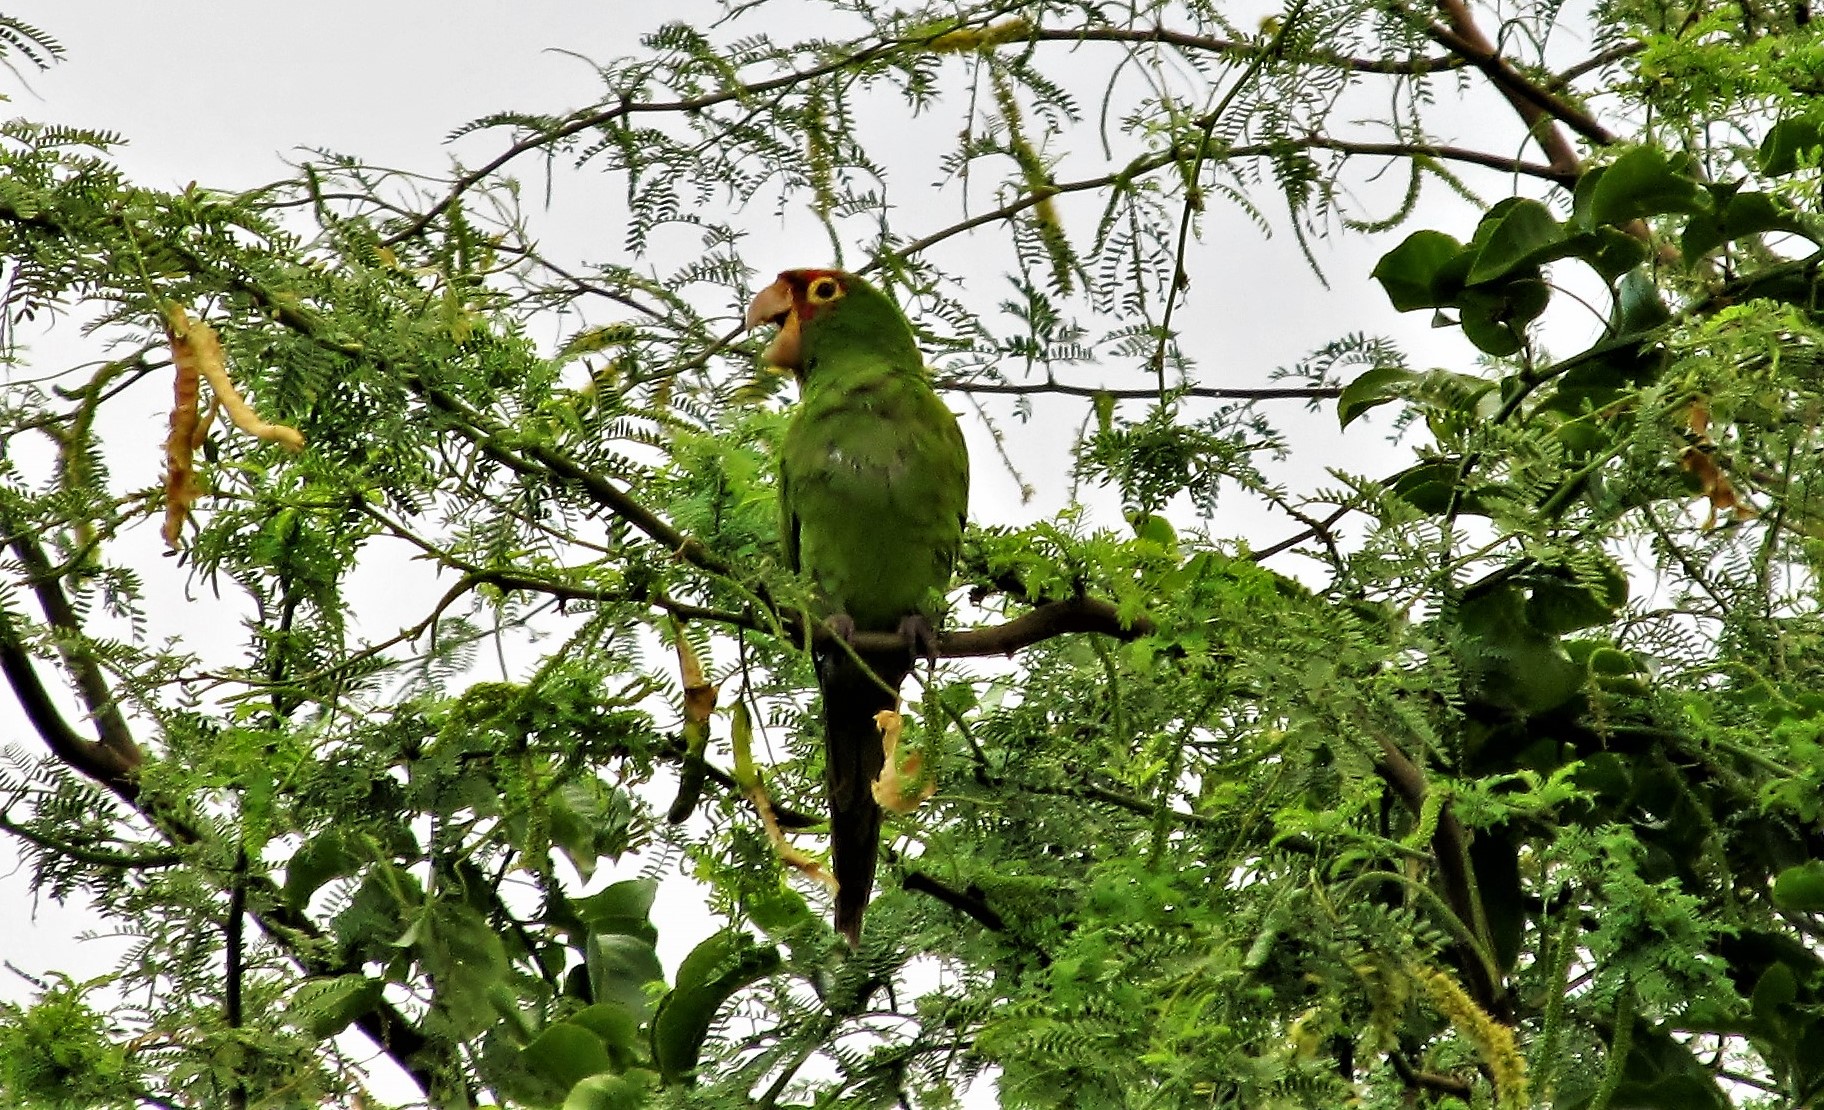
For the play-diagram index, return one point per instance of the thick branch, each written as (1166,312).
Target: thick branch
(1057,618)
(234,954)
(87,756)
(969,902)
(1450,848)
(85,670)
(112,760)
(1538,108)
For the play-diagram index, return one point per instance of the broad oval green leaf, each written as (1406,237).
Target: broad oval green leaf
(331,854)
(1643,182)
(566,1054)
(1792,143)
(1406,271)
(780,910)
(1373,387)
(1516,232)
(620,966)
(1495,318)
(1583,197)
(1610,251)
(1638,306)
(1736,216)
(611,1092)
(588,820)
(708,977)
(623,908)
(1801,889)
(618,1028)
(1427,487)
(464,957)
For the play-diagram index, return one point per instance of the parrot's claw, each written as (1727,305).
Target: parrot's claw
(841,626)
(920,637)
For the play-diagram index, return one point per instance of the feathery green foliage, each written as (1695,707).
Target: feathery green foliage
(1513,797)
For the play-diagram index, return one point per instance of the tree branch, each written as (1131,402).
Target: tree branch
(1262,393)
(968,902)
(1317,528)
(94,857)
(1450,848)
(1538,108)
(1565,77)
(1139,806)
(1210,44)
(600,117)
(112,760)
(1427,1081)
(234,955)
(1443,152)
(1151,163)
(1056,618)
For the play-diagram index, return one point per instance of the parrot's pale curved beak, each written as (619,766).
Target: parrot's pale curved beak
(773,305)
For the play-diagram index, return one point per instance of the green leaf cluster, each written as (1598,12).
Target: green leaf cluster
(1489,776)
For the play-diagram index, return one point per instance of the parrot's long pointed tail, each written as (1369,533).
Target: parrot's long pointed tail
(852,761)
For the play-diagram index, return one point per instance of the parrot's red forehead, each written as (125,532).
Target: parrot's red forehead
(801,279)
(812,289)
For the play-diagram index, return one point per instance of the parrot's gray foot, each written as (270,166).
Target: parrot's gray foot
(841,626)
(920,637)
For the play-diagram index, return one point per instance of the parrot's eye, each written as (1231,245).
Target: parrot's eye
(824,289)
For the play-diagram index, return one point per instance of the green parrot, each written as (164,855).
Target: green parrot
(873,489)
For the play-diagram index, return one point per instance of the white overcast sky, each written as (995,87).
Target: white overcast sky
(227,94)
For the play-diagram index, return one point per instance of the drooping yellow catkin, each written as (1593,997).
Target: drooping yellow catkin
(196,347)
(902,786)
(1032,168)
(1494,1042)
(747,777)
(180,449)
(196,354)
(968,39)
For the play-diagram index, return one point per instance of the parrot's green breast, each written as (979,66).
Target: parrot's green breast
(876,487)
